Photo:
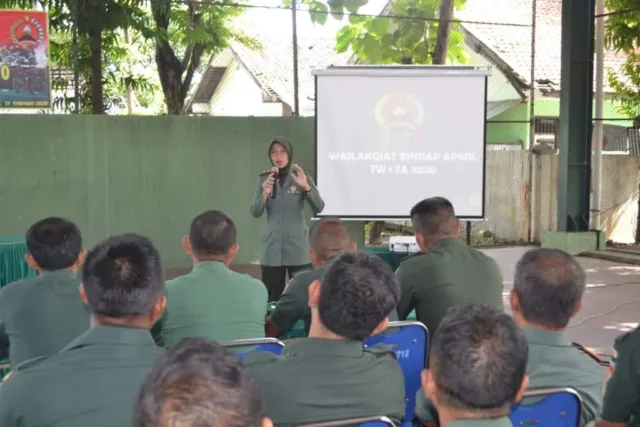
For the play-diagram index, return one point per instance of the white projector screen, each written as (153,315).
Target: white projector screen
(388,137)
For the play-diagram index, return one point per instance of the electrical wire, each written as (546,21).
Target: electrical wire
(343,14)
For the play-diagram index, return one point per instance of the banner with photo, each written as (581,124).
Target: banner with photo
(24,59)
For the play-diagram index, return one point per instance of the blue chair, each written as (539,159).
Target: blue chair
(361,422)
(410,341)
(558,407)
(243,347)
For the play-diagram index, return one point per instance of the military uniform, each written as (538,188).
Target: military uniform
(484,422)
(93,381)
(451,274)
(285,243)
(321,380)
(42,314)
(622,396)
(293,305)
(215,302)
(553,362)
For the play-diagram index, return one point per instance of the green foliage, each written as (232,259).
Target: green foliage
(405,34)
(320,10)
(623,36)
(184,34)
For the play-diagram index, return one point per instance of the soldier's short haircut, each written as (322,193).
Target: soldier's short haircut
(549,284)
(478,359)
(357,292)
(123,276)
(434,217)
(212,233)
(54,243)
(198,383)
(330,238)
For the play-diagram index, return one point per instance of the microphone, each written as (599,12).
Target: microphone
(274,172)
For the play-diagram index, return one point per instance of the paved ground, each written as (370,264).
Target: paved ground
(611,303)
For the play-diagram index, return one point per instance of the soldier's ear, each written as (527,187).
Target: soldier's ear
(523,389)
(314,293)
(83,294)
(186,245)
(31,262)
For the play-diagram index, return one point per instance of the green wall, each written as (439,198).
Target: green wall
(510,127)
(149,175)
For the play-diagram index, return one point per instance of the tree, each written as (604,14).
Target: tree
(190,30)
(622,31)
(406,34)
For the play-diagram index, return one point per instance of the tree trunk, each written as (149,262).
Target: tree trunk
(444,29)
(95,42)
(170,68)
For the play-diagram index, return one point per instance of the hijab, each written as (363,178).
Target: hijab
(282,172)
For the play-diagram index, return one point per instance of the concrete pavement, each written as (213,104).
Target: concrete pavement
(611,303)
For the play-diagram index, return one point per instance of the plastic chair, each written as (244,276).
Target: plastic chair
(243,347)
(559,407)
(410,341)
(361,422)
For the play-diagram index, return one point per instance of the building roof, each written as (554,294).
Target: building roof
(501,27)
(513,42)
(272,66)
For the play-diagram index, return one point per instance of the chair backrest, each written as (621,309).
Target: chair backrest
(243,347)
(556,407)
(361,422)
(410,341)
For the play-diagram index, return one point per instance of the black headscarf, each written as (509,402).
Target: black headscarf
(282,172)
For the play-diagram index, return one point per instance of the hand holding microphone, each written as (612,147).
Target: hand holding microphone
(268,186)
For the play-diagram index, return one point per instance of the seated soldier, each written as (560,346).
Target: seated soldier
(621,406)
(40,315)
(199,383)
(447,272)
(478,359)
(547,293)
(329,238)
(93,381)
(213,301)
(330,376)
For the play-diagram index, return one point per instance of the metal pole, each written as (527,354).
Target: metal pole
(294,26)
(76,60)
(532,127)
(596,141)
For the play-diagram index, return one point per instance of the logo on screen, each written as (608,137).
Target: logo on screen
(27,32)
(399,111)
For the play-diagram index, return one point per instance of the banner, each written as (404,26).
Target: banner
(24,59)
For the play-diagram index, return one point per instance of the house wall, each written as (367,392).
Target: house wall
(150,175)
(238,94)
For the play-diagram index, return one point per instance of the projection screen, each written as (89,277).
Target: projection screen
(390,136)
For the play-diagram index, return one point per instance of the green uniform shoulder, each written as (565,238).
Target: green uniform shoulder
(629,340)
(414,259)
